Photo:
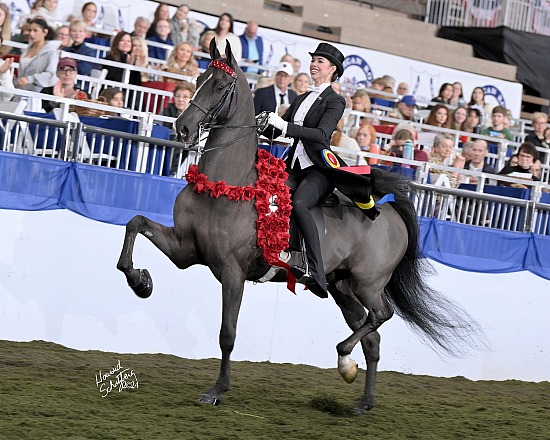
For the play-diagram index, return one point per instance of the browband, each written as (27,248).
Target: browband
(222,66)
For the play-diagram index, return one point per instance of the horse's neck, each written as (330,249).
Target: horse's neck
(233,162)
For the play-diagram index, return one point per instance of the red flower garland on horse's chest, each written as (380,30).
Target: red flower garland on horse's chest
(272,201)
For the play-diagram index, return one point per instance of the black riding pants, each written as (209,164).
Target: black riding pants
(312,187)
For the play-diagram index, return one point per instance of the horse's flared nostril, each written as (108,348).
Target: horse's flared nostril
(183,134)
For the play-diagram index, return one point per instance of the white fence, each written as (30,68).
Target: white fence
(520,15)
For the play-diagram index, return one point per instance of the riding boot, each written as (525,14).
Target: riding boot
(317,283)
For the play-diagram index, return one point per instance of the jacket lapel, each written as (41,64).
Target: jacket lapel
(318,101)
(296,104)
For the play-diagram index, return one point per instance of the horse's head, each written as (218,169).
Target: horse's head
(214,101)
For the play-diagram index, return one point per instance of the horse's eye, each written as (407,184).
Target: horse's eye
(220,88)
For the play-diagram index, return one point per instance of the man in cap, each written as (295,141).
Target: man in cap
(279,94)
(404,109)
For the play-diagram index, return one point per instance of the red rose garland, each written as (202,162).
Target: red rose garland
(272,201)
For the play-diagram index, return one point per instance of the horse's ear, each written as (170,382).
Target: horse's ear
(230,60)
(214,52)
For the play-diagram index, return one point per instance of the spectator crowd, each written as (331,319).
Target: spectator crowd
(178,44)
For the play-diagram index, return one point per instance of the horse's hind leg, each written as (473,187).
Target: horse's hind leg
(356,317)
(162,237)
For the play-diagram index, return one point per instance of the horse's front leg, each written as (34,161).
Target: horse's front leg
(232,279)
(181,252)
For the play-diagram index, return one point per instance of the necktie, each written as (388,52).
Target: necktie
(282,100)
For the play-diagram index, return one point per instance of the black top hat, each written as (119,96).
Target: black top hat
(332,54)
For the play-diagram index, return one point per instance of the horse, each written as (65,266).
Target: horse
(374,268)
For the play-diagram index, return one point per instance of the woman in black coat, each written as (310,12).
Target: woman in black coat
(312,166)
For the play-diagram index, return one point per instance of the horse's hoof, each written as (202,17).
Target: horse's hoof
(144,287)
(210,400)
(347,368)
(361,407)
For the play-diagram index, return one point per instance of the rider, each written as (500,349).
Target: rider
(311,164)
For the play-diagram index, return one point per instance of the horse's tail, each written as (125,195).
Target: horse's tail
(444,323)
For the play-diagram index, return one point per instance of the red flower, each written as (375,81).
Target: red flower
(218,189)
(192,173)
(248,193)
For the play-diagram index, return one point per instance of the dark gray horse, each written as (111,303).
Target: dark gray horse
(373,268)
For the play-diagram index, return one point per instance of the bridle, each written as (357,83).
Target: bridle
(213,113)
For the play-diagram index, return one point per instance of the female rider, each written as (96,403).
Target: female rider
(313,168)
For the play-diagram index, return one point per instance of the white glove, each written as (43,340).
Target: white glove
(277,122)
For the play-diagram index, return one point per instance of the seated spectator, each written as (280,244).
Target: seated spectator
(141,59)
(185,29)
(399,137)
(497,128)
(121,51)
(540,123)
(113,97)
(441,152)
(47,10)
(265,81)
(445,94)
(89,15)
(21,37)
(204,43)
(478,162)
(62,34)
(365,135)
(458,118)
(182,60)
(38,63)
(141,26)
(300,83)
(458,95)
(5,26)
(402,89)
(477,100)
(66,86)
(162,35)
(527,155)
(162,12)
(252,46)
(296,65)
(287,58)
(546,141)
(360,102)
(536,169)
(404,109)
(183,92)
(466,150)
(472,122)
(340,139)
(6,76)
(390,83)
(439,116)
(77,30)
(224,32)
(271,98)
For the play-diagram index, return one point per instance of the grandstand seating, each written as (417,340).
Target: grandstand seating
(73,138)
